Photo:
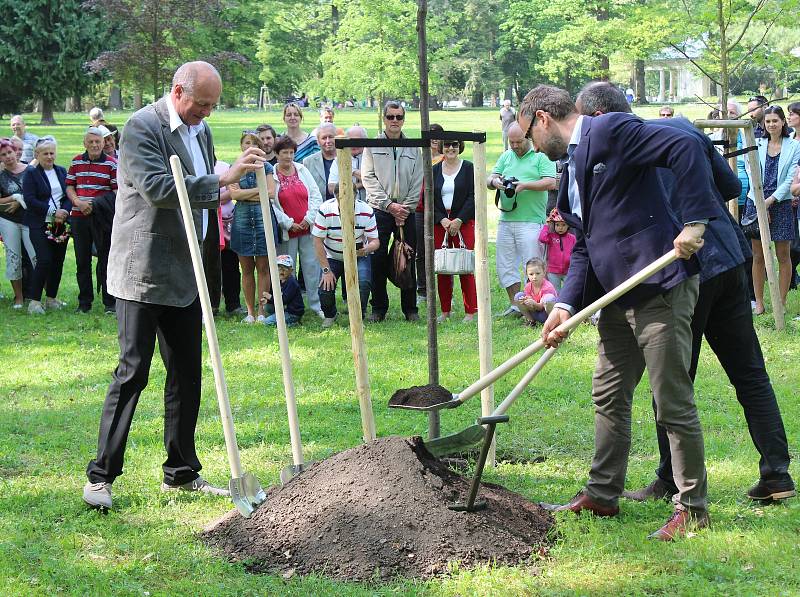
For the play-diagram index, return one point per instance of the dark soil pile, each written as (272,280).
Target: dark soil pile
(420,396)
(376,511)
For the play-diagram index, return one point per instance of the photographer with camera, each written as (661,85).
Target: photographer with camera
(520,179)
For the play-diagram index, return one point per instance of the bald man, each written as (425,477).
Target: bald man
(521,215)
(150,273)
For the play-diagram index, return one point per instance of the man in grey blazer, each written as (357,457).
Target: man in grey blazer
(150,273)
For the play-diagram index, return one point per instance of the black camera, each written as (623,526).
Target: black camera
(509,188)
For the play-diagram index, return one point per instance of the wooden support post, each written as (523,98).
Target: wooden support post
(346,199)
(763,227)
(482,282)
(732,135)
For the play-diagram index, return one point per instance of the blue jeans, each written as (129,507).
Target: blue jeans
(291,320)
(327,298)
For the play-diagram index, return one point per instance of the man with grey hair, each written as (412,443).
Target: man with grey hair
(150,273)
(392,177)
(507,118)
(91,175)
(96,116)
(28,140)
(323,162)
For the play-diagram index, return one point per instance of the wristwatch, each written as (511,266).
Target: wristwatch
(326,270)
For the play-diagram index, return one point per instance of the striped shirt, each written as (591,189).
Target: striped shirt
(328,227)
(91,177)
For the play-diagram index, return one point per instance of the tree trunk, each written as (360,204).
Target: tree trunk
(137,100)
(47,113)
(477,99)
(603,63)
(723,59)
(639,92)
(77,103)
(115,97)
(334,18)
(509,95)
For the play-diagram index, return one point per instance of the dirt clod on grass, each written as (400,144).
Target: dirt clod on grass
(420,396)
(378,511)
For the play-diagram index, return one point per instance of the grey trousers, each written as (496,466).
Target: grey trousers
(655,334)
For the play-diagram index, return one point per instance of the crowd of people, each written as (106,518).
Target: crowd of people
(43,205)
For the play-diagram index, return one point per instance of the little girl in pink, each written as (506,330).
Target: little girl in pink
(559,242)
(537,300)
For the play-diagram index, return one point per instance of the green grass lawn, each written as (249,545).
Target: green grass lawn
(54,371)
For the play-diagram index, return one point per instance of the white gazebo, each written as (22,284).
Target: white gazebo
(678,77)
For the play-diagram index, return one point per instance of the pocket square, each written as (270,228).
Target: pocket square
(599,168)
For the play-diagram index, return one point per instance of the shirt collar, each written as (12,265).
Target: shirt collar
(576,132)
(175,121)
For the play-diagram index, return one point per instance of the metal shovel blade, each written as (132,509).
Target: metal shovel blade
(246,494)
(290,472)
(457,442)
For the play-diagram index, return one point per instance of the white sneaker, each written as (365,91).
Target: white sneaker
(97,495)
(512,311)
(35,308)
(443,317)
(249,319)
(468,318)
(261,319)
(328,322)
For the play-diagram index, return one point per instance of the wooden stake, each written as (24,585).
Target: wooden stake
(763,227)
(482,282)
(347,215)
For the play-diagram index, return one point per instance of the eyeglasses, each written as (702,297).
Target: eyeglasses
(454,144)
(395,116)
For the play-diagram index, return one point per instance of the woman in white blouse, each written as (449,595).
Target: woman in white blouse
(45,193)
(454,212)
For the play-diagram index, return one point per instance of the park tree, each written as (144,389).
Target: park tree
(731,35)
(373,52)
(153,37)
(45,45)
(291,41)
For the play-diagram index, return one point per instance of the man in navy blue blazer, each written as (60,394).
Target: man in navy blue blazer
(723,315)
(611,194)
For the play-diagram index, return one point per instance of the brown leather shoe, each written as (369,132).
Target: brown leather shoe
(657,490)
(680,523)
(582,502)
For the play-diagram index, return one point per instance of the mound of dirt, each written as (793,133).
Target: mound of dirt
(420,396)
(379,510)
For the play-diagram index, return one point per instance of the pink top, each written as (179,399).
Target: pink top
(547,288)
(559,250)
(293,197)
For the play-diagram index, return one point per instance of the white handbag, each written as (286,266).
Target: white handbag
(454,261)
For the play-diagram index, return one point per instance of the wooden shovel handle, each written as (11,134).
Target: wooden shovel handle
(568,325)
(208,320)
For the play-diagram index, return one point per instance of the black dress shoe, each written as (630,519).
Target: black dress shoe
(412,317)
(376,317)
(582,502)
(657,490)
(770,490)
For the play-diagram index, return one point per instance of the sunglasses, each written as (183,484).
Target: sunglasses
(454,144)
(395,116)
(530,128)
(249,132)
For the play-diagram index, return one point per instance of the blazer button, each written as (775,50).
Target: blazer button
(587,235)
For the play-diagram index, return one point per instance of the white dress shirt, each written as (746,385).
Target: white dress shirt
(189,137)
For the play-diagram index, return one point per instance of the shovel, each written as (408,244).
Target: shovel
(434,398)
(246,492)
(472,435)
(297,465)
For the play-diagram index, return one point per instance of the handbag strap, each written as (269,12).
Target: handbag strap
(461,244)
